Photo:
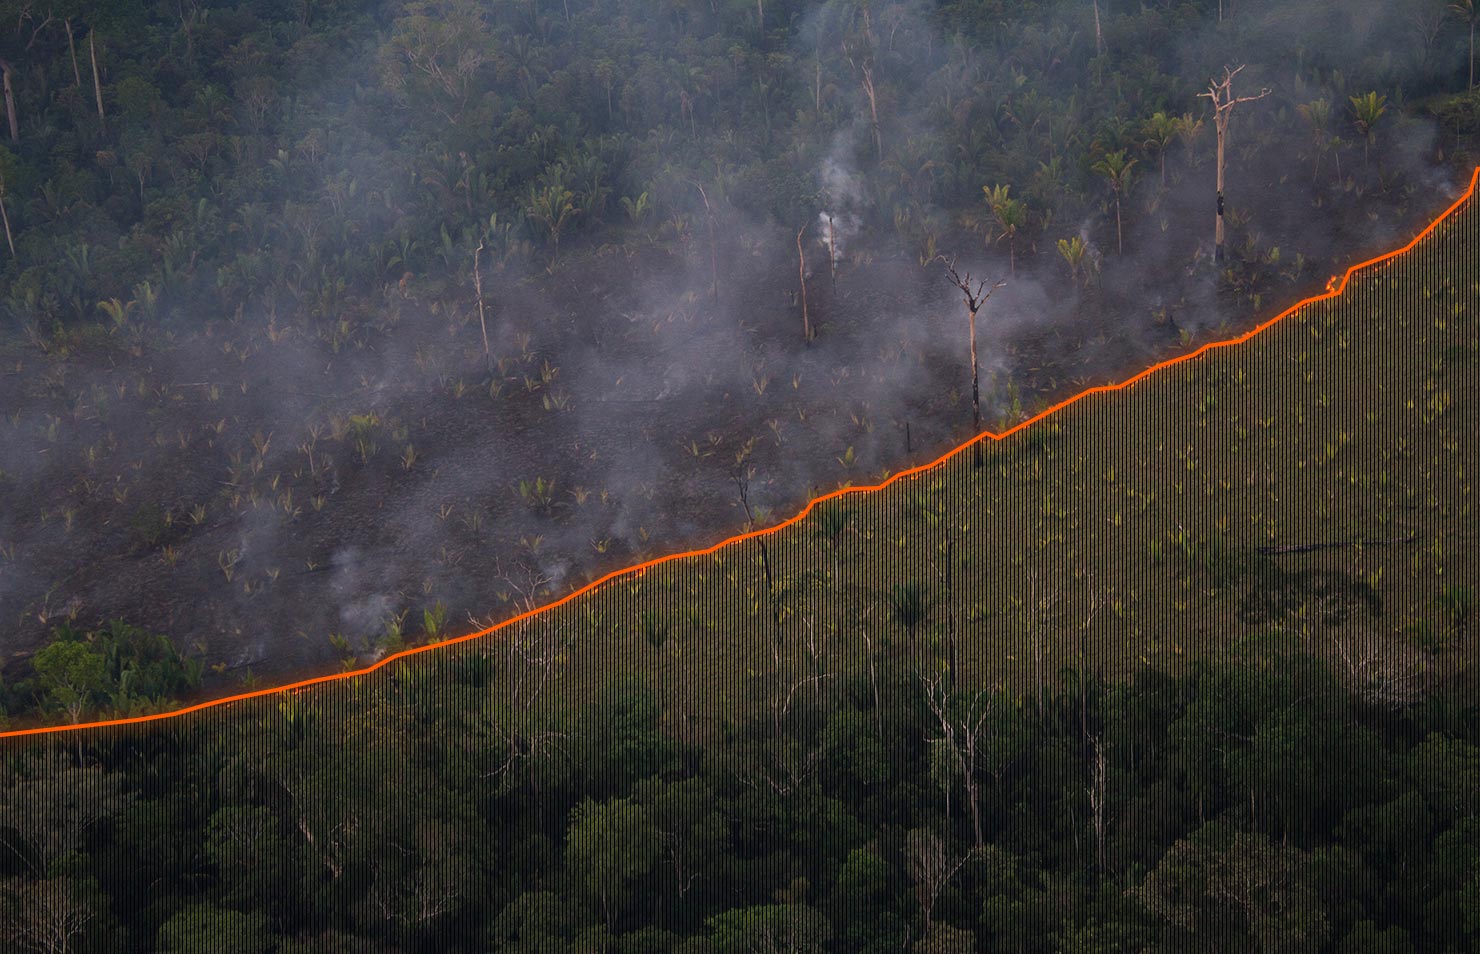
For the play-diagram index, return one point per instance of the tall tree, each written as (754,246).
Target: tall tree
(610,846)
(434,54)
(1469,12)
(963,726)
(7,163)
(1367,109)
(1159,131)
(1317,114)
(1072,250)
(553,207)
(1116,169)
(1011,215)
(859,48)
(1221,93)
(807,333)
(713,248)
(974,299)
(6,71)
(1252,893)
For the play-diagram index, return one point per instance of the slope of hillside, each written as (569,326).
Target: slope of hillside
(1311,481)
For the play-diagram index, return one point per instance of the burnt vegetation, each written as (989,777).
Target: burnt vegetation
(330,329)
(291,292)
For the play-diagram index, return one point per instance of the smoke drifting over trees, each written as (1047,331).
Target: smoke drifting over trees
(247,398)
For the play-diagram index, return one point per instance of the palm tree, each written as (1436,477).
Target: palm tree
(907,602)
(1116,169)
(1073,249)
(553,206)
(1468,11)
(1159,131)
(1189,130)
(1317,113)
(1367,109)
(1011,215)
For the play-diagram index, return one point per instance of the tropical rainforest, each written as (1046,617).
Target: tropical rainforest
(332,330)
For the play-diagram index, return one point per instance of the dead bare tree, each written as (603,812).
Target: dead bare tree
(802,273)
(1221,94)
(863,65)
(781,706)
(832,253)
(974,299)
(92,52)
(534,649)
(965,737)
(72,50)
(478,290)
(5,218)
(528,744)
(742,476)
(6,69)
(1097,601)
(814,653)
(527,586)
(1382,672)
(873,672)
(1096,793)
(930,866)
(713,253)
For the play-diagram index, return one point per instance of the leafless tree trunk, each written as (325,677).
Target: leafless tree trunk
(930,866)
(802,273)
(1097,599)
(965,739)
(873,109)
(713,252)
(72,49)
(865,70)
(817,84)
(1099,37)
(1096,793)
(873,673)
(92,50)
(5,217)
(974,299)
(742,483)
(1221,93)
(15,127)
(478,290)
(832,252)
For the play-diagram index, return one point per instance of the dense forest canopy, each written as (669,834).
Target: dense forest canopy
(188,160)
(1254,805)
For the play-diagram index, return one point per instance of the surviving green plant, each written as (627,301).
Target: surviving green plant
(909,606)
(537,494)
(434,620)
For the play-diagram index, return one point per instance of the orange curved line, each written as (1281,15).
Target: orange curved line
(739,538)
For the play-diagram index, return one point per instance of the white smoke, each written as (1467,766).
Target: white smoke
(842,196)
